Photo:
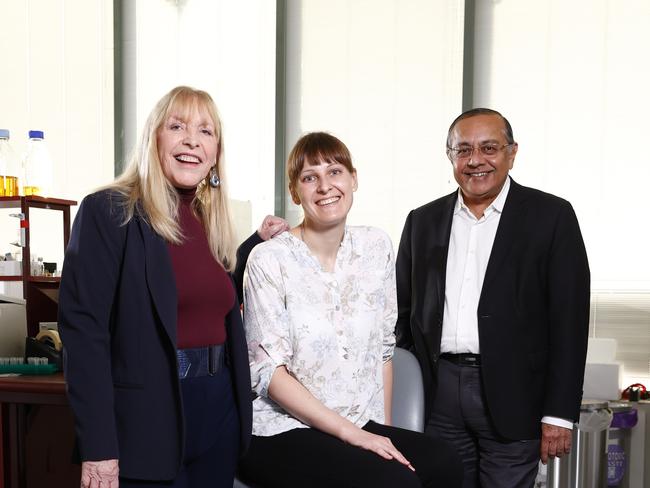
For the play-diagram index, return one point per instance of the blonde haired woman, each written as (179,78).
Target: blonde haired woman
(155,354)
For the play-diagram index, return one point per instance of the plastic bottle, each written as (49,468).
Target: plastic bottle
(36,266)
(9,167)
(38,166)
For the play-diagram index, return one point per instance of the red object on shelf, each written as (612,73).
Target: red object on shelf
(635,392)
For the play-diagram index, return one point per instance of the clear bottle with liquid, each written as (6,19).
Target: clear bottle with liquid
(36,266)
(9,167)
(38,166)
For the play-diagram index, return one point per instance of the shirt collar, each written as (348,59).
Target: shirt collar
(345,246)
(497,204)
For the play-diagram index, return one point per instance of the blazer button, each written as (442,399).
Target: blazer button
(434,356)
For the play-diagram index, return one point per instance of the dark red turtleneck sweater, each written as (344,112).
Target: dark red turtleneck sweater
(204,289)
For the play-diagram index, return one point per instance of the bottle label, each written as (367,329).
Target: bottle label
(615,464)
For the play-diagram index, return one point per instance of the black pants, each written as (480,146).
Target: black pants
(211,436)
(461,416)
(309,458)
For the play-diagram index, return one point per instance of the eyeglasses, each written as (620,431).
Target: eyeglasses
(463,153)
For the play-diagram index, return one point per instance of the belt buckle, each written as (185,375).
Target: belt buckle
(212,367)
(469,360)
(193,362)
(184,364)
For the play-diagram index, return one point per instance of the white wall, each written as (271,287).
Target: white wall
(56,75)
(227,49)
(385,76)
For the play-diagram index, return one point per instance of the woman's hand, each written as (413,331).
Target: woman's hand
(272,226)
(291,395)
(378,444)
(95,472)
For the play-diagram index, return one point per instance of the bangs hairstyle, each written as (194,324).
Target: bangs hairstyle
(148,193)
(314,148)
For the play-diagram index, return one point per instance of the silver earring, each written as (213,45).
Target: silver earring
(214,178)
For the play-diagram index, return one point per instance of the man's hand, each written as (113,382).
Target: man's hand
(100,474)
(271,227)
(556,441)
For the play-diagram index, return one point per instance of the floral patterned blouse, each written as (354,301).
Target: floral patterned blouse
(332,330)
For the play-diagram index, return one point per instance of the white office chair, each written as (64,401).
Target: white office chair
(408,396)
(408,391)
(240,484)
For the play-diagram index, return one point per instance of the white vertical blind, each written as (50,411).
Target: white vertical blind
(385,76)
(625,317)
(572,76)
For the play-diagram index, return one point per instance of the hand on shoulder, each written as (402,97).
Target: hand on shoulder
(272,226)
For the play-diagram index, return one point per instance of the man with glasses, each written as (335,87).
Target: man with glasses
(493,296)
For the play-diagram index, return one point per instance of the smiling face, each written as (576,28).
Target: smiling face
(481,177)
(325,191)
(188,145)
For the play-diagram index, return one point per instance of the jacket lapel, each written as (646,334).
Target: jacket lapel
(443,234)
(511,220)
(434,262)
(160,278)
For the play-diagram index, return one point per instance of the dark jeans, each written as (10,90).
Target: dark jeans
(461,416)
(304,458)
(211,436)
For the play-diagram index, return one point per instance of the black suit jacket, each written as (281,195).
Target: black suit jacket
(117,317)
(533,312)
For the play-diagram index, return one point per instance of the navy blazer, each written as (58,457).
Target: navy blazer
(533,312)
(117,317)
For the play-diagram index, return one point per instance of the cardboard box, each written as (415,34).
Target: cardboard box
(602,381)
(11,268)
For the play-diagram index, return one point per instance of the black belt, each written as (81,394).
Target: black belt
(462,359)
(200,361)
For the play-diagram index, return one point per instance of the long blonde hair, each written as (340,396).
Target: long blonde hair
(148,193)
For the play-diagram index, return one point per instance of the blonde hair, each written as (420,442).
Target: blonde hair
(148,193)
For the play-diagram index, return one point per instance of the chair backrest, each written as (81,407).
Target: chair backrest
(408,391)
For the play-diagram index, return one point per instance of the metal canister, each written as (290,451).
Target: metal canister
(618,443)
(586,465)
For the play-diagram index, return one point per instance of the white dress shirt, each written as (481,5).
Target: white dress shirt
(470,246)
(332,330)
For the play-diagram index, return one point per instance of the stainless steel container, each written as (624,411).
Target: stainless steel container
(586,465)
(618,443)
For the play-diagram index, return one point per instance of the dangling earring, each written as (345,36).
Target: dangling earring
(214,177)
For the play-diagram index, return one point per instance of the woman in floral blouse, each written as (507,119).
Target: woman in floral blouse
(320,310)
